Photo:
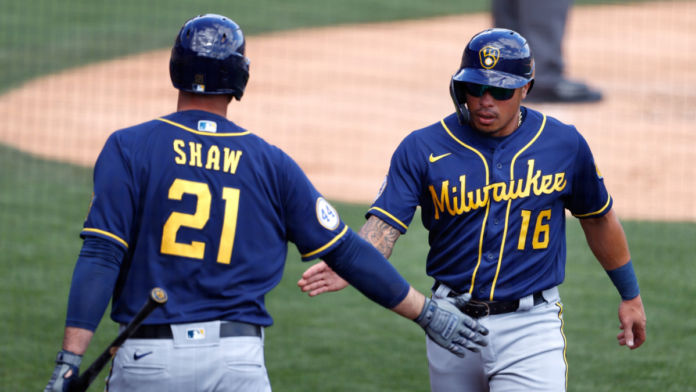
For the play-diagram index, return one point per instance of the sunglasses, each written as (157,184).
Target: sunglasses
(498,93)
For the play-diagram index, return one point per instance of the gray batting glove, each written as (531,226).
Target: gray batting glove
(450,328)
(65,360)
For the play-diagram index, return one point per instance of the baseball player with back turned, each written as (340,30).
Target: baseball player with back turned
(196,205)
(493,183)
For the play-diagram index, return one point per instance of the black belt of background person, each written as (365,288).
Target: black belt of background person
(478,309)
(227,330)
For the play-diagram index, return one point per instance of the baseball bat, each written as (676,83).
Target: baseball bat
(157,298)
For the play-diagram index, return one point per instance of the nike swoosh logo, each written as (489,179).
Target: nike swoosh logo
(433,159)
(136,356)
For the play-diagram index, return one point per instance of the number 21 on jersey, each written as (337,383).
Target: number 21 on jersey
(196,249)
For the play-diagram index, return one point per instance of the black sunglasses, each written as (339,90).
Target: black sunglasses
(498,93)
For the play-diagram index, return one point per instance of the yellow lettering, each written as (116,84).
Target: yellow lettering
(531,180)
(195,249)
(499,196)
(231,160)
(181,159)
(463,208)
(213,160)
(195,149)
(560,182)
(444,199)
(512,194)
(229,225)
(541,229)
(481,203)
(463,201)
(546,182)
(523,230)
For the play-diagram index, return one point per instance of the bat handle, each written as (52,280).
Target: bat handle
(157,298)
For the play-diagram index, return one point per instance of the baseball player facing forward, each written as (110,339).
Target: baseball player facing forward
(493,183)
(196,205)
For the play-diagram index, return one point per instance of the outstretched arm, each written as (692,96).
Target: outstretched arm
(380,234)
(607,240)
(320,278)
(366,269)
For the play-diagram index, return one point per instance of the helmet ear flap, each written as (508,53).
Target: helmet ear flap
(460,108)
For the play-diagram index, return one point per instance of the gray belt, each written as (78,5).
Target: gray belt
(227,329)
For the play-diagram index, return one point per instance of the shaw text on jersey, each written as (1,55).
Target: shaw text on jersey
(230,161)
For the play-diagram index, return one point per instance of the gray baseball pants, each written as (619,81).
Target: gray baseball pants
(542,23)
(196,359)
(526,352)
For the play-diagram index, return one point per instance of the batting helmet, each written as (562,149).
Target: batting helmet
(494,57)
(208,57)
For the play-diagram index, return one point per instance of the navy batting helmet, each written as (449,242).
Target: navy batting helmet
(495,57)
(208,57)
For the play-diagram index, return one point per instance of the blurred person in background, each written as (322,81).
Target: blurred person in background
(543,22)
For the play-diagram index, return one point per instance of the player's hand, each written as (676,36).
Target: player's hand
(447,326)
(320,278)
(66,372)
(632,318)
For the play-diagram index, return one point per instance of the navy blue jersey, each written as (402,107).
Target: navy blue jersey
(494,207)
(205,210)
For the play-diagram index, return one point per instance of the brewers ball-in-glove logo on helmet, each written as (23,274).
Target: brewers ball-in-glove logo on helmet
(495,57)
(208,57)
(489,57)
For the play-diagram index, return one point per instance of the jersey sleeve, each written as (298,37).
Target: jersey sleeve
(311,222)
(112,208)
(398,197)
(589,197)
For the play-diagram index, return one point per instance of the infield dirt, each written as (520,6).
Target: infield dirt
(339,100)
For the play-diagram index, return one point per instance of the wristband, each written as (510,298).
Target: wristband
(624,278)
(426,314)
(69,358)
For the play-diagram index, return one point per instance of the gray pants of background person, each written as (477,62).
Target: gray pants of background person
(542,23)
(526,352)
(191,362)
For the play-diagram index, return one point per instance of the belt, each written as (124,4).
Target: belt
(478,309)
(227,330)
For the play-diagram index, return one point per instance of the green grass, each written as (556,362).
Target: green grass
(38,37)
(340,341)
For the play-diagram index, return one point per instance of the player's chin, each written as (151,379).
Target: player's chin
(491,129)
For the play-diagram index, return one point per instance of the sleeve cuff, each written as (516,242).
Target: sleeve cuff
(599,213)
(327,247)
(387,217)
(80,324)
(103,234)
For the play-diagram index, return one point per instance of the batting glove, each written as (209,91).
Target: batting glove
(447,326)
(65,360)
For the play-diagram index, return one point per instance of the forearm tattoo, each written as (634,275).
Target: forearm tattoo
(380,234)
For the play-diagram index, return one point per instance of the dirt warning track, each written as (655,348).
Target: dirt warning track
(341,101)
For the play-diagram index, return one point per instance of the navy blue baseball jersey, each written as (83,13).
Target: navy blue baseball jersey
(204,210)
(494,207)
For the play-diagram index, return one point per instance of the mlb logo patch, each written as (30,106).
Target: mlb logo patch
(195,334)
(207,126)
(199,88)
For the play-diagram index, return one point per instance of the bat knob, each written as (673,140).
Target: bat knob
(159,295)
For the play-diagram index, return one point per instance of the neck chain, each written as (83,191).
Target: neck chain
(519,122)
